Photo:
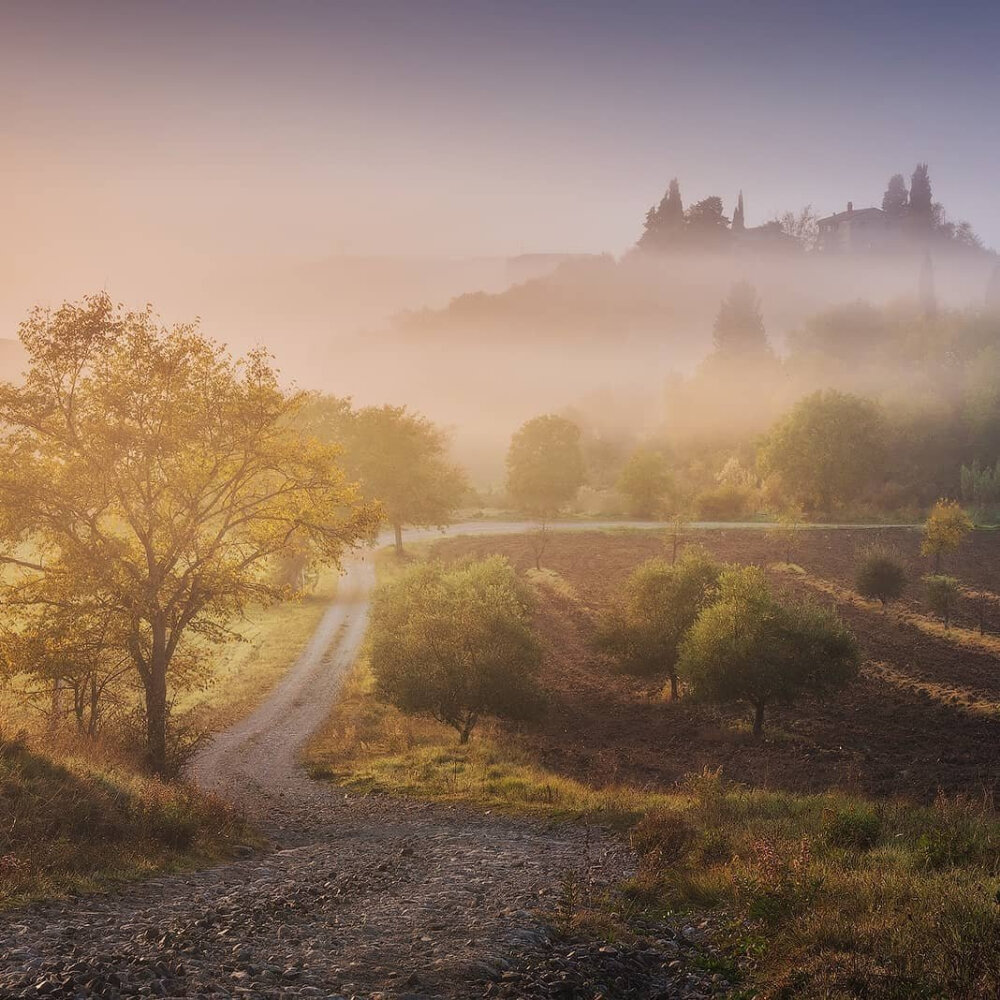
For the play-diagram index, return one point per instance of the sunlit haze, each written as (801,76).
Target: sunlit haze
(300,174)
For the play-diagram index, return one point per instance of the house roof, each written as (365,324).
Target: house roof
(857,213)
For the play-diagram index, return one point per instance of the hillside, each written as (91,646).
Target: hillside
(70,822)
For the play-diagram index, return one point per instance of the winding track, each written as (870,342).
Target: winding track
(360,894)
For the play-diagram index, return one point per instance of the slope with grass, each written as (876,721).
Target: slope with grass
(78,815)
(74,823)
(818,872)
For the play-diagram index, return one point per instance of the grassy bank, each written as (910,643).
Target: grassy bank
(241,674)
(75,815)
(74,823)
(825,895)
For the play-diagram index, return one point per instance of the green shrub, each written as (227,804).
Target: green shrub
(723,503)
(943,594)
(879,574)
(663,836)
(856,828)
(661,601)
(455,644)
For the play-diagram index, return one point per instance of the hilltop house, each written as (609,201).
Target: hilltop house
(855,230)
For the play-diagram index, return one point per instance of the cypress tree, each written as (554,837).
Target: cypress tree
(738,220)
(739,326)
(921,200)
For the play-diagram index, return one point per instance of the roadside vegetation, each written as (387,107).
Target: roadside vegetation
(815,894)
(77,819)
(169,542)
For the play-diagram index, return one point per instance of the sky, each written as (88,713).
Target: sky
(140,135)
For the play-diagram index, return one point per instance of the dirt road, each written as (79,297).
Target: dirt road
(359,896)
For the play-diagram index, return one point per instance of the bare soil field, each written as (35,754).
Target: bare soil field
(923,718)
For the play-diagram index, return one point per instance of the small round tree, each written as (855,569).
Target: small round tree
(455,644)
(943,594)
(661,601)
(880,575)
(944,530)
(645,482)
(545,470)
(749,646)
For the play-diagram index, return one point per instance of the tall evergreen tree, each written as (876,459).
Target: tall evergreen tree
(671,207)
(921,200)
(706,225)
(739,326)
(665,222)
(896,197)
(739,224)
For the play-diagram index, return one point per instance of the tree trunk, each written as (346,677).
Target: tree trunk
(539,545)
(673,556)
(95,694)
(398,528)
(79,694)
(673,688)
(758,721)
(156,720)
(937,560)
(55,712)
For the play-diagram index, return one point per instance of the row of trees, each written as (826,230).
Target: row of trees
(724,632)
(915,213)
(910,212)
(923,387)
(455,643)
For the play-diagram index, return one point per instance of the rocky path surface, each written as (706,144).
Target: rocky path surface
(359,896)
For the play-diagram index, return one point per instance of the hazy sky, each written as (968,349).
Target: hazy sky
(170,132)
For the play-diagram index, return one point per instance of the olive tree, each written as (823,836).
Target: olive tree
(880,575)
(943,594)
(661,601)
(455,643)
(750,646)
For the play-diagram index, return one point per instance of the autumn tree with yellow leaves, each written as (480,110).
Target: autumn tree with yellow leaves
(944,530)
(147,483)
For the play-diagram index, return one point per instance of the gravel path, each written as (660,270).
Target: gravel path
(360,896)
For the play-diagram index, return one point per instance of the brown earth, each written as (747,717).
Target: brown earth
(923,718)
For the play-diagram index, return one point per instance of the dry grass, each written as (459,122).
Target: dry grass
(242,674)
(965,637)
(819,896)
(79,823)
(372,747)
(946,694)
(831,896)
